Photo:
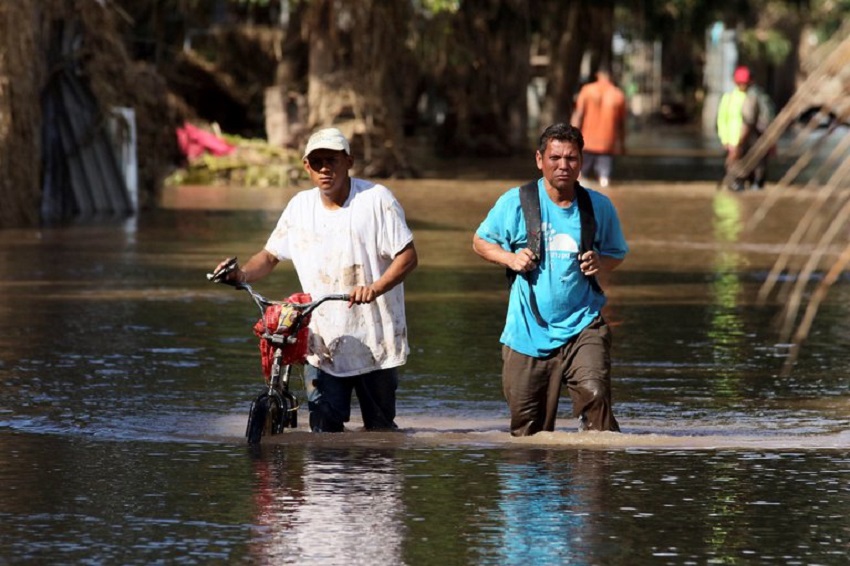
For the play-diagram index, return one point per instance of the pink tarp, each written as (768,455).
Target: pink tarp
(194,142)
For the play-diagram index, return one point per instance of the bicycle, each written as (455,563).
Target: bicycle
(285,339)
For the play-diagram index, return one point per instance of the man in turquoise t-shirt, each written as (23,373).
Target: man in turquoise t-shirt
(571,344)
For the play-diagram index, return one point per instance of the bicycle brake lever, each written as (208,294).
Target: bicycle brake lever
(218,275)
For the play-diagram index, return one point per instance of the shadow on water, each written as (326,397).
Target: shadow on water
(126,378)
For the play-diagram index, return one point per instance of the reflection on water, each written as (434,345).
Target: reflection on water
(300,495)
(726,330)
(125,380)
(545,505)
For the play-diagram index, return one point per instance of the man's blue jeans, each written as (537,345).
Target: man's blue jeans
(329,399)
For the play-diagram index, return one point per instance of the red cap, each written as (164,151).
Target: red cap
(742,75)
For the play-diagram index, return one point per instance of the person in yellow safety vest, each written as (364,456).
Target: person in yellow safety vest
(741,118)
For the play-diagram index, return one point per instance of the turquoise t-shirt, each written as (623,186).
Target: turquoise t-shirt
(564,296)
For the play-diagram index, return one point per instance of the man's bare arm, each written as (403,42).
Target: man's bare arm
(520,262)
(403,263)
(261,264)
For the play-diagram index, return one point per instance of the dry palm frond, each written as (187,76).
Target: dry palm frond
(807,223)
(824,223)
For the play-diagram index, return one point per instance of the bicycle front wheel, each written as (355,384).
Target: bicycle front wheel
(258,415)
(278,413)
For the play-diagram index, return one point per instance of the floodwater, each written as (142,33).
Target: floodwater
(126,378)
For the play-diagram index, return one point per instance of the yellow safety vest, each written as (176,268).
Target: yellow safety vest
(730,120)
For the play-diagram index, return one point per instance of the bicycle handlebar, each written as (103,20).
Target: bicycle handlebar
(263,302)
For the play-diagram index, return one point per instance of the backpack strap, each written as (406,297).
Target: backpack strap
(588,228)
(529,199)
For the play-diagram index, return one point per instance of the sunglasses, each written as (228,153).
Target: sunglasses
(318,163)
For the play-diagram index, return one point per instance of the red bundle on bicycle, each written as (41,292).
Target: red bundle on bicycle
(281,320)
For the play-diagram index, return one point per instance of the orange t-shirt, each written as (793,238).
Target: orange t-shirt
(603,108)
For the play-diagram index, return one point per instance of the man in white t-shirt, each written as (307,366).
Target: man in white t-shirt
(345,235)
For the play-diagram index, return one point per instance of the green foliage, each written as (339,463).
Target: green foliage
(765,45)
(827,16)
(435,6)
(663,19)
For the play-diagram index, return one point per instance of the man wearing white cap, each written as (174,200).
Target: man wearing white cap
(346,235)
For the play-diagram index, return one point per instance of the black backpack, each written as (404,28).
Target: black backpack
(529,199)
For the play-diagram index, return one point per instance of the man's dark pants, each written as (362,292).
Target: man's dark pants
(329,399)
(532,386)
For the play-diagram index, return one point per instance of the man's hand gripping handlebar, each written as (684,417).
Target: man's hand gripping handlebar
(222,272)
(230,265)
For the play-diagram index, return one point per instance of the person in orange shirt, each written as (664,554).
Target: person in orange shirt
(600,114)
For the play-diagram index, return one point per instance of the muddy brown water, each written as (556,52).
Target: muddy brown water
(126,377)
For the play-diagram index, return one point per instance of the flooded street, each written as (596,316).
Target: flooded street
(126,379)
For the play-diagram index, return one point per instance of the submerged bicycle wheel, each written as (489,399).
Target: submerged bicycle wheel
(284,411)
(258,415)
(278,414)
(290,404)
(291,419)
(270,414)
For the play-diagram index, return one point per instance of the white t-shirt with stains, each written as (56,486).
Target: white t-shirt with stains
(336,250)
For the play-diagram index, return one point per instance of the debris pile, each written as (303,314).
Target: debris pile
(214,158)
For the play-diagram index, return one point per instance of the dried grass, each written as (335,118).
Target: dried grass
(26,28)
(20,114)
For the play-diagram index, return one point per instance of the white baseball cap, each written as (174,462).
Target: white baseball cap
(328,138)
